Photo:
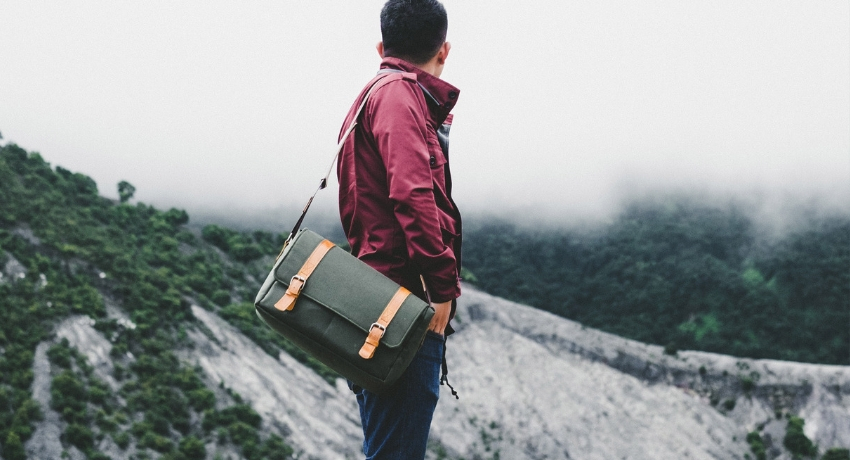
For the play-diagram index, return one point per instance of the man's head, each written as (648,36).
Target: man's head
(413,30)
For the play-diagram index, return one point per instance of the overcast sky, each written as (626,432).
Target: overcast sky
(566,107)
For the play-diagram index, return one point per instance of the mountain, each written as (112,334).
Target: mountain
(532,386)
(127,333)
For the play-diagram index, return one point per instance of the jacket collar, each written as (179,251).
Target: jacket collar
(443,96)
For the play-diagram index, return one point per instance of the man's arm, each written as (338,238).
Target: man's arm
(399,127)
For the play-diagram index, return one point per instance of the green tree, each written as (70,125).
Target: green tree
(125,191)
(13,449)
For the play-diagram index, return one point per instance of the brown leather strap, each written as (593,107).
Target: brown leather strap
(297,284)
(376,332)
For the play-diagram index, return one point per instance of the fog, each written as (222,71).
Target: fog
(567,109)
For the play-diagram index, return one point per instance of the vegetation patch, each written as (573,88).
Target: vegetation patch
(757,446)
(796,441)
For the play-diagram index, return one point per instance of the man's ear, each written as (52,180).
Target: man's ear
(443,53)
(380,48)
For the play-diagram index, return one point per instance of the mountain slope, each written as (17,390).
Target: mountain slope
(552,388)
(534,386)
(124,333)
(72,262)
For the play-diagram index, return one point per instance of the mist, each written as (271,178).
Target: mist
(568,110)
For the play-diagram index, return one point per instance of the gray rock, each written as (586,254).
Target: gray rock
(44,443)
(81,334)
(537,386)
(316,418)
(25,232)
(13,270)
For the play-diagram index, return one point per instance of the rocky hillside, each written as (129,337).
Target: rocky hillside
(532,386)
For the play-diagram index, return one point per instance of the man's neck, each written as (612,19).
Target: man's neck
(431,67)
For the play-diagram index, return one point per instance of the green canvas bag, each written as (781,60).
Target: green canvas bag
(339,307)
(340,310)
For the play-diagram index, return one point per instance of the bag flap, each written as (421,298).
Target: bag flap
(348,287)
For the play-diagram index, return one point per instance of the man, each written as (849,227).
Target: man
(397,210)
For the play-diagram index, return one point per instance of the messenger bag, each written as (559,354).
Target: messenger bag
(340,310)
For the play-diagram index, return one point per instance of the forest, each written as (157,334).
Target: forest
(684,275)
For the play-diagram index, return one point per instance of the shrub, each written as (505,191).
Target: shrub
(176,217)
(180,422)
(211,420)
(218,236)
(220,297)
(60,354)
(757,445)
(242,413)
(468,276)
(729,404)
(242,433)
(796,441)
(68,392)
(106,423)
(122,440)
(201,399)
(836,453)
(193,448)
(156,442)
(29,411)
(275,449)
(747,384)
(22,379)
(140,429)
(13,449)
(245,252)
(98,394)
(158,423)
(79,436)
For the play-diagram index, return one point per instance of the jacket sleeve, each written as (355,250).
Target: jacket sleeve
(400,131)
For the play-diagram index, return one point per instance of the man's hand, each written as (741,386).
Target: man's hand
(442,312)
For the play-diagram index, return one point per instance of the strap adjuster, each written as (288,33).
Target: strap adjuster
(297,283)
(373,339)
(379,326)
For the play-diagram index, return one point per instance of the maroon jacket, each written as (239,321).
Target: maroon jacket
(395,185)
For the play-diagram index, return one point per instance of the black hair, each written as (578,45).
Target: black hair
(413,30)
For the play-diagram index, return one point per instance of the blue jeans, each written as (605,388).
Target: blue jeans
(396,423)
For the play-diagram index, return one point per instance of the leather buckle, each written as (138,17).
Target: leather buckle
(379,326)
